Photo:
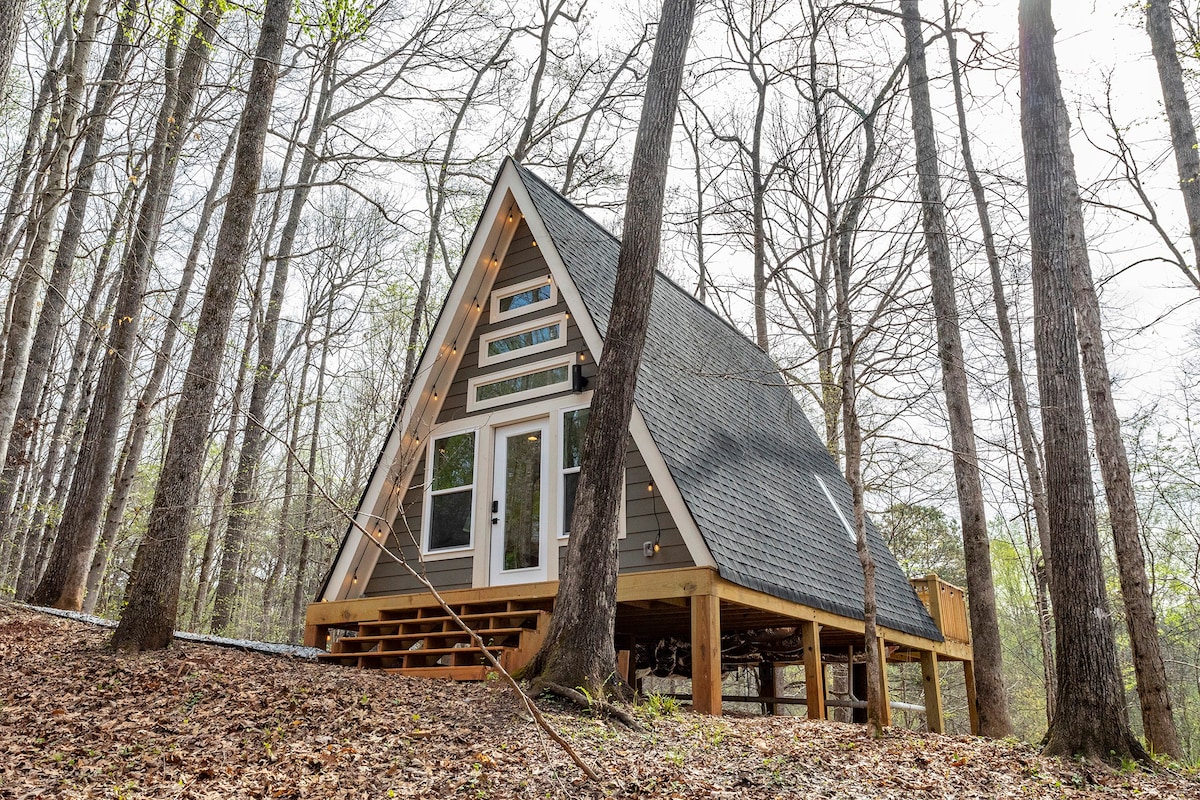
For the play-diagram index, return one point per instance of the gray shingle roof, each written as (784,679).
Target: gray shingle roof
(742,453)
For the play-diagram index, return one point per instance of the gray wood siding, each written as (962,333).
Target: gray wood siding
(391,578)
(523,262)
(646,516)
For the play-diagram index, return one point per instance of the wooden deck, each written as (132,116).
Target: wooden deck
(411,634)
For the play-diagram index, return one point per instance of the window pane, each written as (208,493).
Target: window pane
(519,341)
(454,461)
(450,519)
(570,484)
(523,501)
(534,380)
(526,298)
(573,425)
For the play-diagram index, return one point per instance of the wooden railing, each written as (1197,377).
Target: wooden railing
(947,604)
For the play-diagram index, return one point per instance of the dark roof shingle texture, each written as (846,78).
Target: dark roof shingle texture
(736,442)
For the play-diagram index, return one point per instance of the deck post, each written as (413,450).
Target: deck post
(885,705)
(706,654)
(972,706)
(766,687)
(316,636)
(933,595)
(934,718)
(814,670)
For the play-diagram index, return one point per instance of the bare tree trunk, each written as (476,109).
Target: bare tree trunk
(1016,379)
(992,700)
(152,595)
(285,529)
(139,425)
(27,288)
(69,430)
(847,225)
(26,422)
(1179,118)
(310,487)
(254,436)
(19,179)
(228,450)
(12,13)
(1150,673)
(65,579)
(579,648)
(1092,721)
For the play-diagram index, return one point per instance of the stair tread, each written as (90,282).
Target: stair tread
(483,632)
(375,623)
(429,651)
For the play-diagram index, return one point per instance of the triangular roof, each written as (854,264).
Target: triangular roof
(761,489)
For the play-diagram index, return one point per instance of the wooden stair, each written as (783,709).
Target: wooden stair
(427,642)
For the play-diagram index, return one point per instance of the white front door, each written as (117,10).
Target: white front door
(519,504)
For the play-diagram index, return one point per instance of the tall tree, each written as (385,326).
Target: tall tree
(1179,116)
(1150,672)
(1030,458)
(152,595)
(1091,720)
(992,701)
(579,648)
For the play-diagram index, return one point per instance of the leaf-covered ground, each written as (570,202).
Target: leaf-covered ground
(199,721)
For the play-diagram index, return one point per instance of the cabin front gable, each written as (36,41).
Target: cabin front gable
(483,462)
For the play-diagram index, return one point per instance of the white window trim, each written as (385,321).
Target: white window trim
(486,339)
(427,509)
(561,472)
(525,394)
(496,315)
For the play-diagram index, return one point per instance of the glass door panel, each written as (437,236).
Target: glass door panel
(519,505)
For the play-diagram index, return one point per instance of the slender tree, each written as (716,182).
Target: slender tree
(1030,458)
(152,595)
(985,628)
(1091,719)
(579,648)
(1150,672)
(1179,117)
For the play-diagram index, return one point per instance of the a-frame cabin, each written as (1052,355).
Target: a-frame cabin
(735,543)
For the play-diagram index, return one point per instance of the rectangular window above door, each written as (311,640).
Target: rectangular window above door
(523,298)
(534,336)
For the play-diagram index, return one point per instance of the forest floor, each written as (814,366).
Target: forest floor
(200,721)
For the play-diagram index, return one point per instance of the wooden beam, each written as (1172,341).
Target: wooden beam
(935,718)
(814,670)
(972,703)
(706,654)
(952,651)
(886,705)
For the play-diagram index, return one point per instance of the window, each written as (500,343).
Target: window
(523,298)
(573,424)
(451,492)
(519,340)
(520,383)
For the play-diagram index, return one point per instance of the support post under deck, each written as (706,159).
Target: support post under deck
(706,653)
(934,717)
(814,670)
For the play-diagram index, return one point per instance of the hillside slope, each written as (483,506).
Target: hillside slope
(200,721)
